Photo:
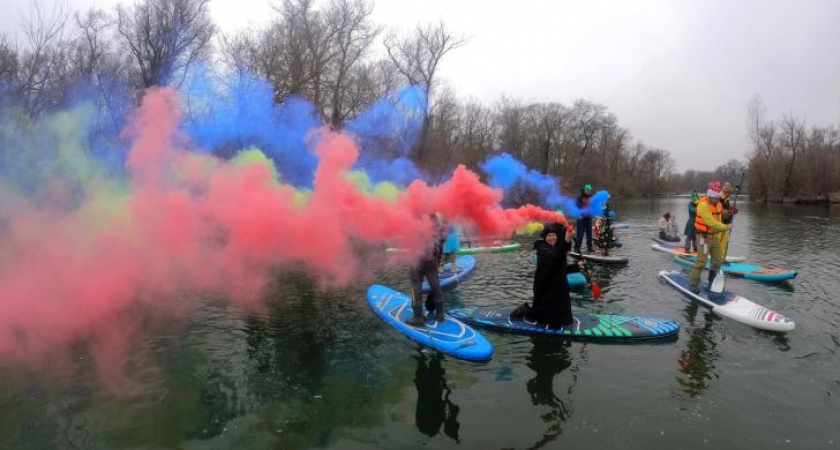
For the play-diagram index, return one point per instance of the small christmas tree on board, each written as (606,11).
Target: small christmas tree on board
(606,234)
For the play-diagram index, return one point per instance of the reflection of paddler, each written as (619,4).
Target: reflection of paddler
(548,359)
(433,405)
(697,360)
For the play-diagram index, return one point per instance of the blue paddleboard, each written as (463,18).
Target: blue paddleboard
(452,336)
(585,326)
(448,279)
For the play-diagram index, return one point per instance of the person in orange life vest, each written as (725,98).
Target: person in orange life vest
(709,227)
(729,212)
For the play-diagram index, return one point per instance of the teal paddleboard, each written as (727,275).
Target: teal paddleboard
(741,270)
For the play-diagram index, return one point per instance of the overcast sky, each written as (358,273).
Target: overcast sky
(677,74)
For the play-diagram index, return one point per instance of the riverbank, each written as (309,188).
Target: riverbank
(819,199)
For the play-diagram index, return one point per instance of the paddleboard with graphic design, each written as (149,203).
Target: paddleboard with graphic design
(451,336)
(585,326)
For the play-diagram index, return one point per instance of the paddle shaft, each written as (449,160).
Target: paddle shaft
(734,204)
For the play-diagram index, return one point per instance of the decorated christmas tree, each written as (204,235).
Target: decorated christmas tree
(605,238)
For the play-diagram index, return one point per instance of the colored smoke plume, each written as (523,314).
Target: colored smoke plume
(504,171)
(90,246)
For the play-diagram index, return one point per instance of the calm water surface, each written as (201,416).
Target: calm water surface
(319,370)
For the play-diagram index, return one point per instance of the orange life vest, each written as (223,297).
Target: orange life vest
(717,212)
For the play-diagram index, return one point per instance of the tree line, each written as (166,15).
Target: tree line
(334,55)
(789,161)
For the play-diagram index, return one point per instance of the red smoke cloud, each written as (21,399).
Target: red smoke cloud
(198,224)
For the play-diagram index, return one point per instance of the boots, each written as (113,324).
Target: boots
(712,275)
(418,319)
(439,312)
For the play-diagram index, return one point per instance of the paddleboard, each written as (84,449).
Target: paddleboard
(681,252)
(741,270)
(451,336)
(450,280)
(594,257)
(586,326)
(493,249)
(620,226)
(668,244)
(728,304)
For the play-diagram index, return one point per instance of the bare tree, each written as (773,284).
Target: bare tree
(165,37)
(8,64)
(417,57)
(43,67)
(793,139)
(353,35)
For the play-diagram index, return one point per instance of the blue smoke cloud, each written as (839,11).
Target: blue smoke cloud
(231,114)
(387,132)
(504,171)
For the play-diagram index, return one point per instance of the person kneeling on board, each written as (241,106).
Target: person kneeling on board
(709,227)
(427,267)
(668,228)
(552,303)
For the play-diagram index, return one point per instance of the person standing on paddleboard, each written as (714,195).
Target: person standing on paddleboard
(709,225)
(729,212)
(451,247)
(427,267)
(552,303)
(690,232)
(584,222)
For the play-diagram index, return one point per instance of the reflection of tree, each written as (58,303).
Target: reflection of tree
(433,405)
(697,360)
(550,358)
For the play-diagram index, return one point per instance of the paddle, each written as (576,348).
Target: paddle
(596,290)
(718,284)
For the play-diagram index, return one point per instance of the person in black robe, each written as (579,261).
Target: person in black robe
(552,304)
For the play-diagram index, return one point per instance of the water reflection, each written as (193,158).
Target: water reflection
(434,408)
(548,359)
(697,360)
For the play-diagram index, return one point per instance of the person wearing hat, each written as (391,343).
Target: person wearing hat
(427,267)
(584,222)
(690,232)
(708,223)
(729,212)
(552,304)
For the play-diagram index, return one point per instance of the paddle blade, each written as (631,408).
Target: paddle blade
(717,284)
(596,291)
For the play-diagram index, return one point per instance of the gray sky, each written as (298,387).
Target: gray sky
(678,74)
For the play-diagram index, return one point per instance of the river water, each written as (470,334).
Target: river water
(319,370)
